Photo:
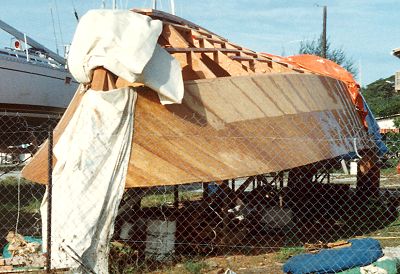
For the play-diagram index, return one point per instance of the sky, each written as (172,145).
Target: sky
(366,30)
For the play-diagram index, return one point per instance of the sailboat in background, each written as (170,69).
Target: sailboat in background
(35,85)
(34,80)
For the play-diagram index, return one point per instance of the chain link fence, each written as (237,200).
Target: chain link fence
(248,225)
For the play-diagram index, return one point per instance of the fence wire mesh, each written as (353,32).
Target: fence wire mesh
(252,224)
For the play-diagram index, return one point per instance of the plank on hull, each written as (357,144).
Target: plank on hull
(231,127)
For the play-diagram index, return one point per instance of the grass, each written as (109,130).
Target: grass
(388,236)
(13,181)
(389,171)
(286,252)
(168,198)
(32,208)
(194,267)
(8,168)
(123,259)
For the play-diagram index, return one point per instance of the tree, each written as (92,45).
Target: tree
(338,56)
(396,122)
(382,98)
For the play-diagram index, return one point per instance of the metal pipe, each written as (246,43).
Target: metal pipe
(49,198)
(26,48)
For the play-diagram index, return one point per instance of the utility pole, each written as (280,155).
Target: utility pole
(323,42)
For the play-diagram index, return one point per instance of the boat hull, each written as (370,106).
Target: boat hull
(27,88)
(233,127)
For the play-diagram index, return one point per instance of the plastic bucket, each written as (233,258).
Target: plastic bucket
(353,167)
(160,239)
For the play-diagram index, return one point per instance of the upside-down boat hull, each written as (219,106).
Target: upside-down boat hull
(252,125)
(243,114)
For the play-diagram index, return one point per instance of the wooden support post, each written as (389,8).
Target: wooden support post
(368,174)
(281,174)
(206,191)
(240,191)
(224,215)
(262,180)
(259,181)
(176,196)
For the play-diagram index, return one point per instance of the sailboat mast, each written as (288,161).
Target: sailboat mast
(173,7)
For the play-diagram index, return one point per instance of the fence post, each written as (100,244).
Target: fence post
(49,198)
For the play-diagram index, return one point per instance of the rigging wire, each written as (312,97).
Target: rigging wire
(59,22)
(54,30)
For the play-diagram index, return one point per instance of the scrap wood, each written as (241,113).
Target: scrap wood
(19,246)
(315,248)
(6,268)
(31,260)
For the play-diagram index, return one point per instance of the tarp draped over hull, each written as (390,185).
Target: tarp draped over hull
(233,127)
(92,156)
(125,43)
(94,147)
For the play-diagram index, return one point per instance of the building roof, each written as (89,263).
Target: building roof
(388,117)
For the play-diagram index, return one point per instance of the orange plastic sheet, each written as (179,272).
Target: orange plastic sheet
(322,66)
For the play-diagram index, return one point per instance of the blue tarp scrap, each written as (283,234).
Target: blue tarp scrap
(373,129)
(362,252)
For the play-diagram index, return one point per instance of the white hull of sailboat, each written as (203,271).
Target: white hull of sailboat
(34,88)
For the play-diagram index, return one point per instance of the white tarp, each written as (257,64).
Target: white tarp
(89,179)
(93,152)
(125,43)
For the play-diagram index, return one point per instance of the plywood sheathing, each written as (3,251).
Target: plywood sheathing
(232,133)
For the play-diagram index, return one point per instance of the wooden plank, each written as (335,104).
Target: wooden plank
(192,65)
(192,49)
(212,40)
(232,66)
(227,64)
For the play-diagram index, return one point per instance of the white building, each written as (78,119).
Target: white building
(386,124)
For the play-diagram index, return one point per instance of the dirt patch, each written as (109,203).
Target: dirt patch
(265,263)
